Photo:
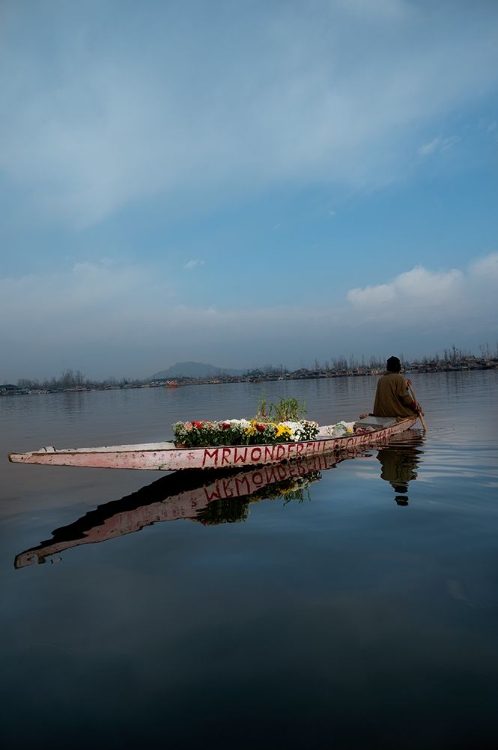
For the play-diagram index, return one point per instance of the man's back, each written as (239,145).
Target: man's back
(392,398)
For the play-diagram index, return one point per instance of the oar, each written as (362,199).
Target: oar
(420,413)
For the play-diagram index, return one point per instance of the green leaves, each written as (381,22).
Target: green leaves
(287,410)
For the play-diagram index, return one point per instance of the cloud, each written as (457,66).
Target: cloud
(100,318)
(419,298)
(104,104)
(416,289)
(485,269)
(429,148)
(83,303)
(191,264)
(438,144)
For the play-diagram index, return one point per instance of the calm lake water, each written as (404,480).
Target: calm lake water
(358,610)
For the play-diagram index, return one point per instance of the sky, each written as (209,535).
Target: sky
(245,182)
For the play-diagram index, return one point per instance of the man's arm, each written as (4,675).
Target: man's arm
(413,404)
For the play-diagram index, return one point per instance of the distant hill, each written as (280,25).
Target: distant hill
(193,370)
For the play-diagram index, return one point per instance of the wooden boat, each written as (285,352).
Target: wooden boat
(371,432)
(206,497)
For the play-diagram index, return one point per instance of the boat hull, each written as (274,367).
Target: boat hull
(167,457)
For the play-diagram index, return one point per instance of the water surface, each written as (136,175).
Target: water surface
(346,606)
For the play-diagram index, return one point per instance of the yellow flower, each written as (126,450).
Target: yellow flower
(282,429)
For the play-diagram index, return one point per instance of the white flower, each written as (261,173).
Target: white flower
(244,423)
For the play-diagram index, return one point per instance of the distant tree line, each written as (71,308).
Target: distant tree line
(453,356)
(75,379)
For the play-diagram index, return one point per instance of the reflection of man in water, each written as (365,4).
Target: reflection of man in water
(398,467)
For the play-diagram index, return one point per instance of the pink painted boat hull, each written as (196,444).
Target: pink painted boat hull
(168,457)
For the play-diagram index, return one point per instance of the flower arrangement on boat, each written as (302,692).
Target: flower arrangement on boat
(242,432)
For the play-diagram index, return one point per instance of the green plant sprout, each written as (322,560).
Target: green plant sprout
(287,410)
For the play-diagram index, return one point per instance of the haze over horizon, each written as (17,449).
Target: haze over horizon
(245,184)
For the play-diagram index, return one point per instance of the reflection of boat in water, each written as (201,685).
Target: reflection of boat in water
(207,497)
(399,461)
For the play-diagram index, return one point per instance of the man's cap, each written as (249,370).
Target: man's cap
(393,363)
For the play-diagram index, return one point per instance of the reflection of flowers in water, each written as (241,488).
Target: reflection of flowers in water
(224,510)
(235,510)
(296,488)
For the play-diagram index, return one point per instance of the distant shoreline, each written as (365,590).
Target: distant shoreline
(470,365)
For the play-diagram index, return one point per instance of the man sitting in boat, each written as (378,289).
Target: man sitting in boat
(392,398)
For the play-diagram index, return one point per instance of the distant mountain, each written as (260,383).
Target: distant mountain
(193,370)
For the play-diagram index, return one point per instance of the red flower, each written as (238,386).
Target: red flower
(225,425)
(197,424)
(260,427)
